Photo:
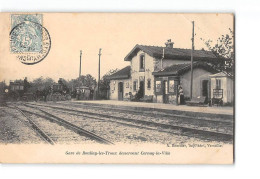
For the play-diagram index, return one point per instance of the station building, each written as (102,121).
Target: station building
(159,71)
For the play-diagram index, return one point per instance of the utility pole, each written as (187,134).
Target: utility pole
(80,63)
(192,49)
(78,90)
(99,55)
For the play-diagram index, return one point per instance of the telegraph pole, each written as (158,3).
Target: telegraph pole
(80,63)
(77,90)
(192,49)
(99,55)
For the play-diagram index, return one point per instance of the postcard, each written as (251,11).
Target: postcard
(120,88)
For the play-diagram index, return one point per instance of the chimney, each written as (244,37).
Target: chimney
(169,43)
(60,81)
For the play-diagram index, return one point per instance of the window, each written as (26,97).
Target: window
(135,85)
(218,83)
(171,86)
(165,87)
(142,62)
(148,83)
(127,85)
(158,85)
(114,86)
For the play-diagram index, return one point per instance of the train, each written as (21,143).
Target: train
(23,91)
(58,92)
(17,91)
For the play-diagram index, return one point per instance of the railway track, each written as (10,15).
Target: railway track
(185,121)
(202,134)
(35,127)
(155,112)
(216,125)
(61,122)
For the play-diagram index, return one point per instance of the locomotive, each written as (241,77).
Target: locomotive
(58,92)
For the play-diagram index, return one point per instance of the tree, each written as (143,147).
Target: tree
(2,87)
(41,86)
(84,80)
(87,80)
(223,49)
(41,83)
(65,85)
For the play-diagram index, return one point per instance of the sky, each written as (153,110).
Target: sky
(115,33)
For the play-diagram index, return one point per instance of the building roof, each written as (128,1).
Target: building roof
(179,69)
(17,82)
(171,53)
(220,74)
(121,74)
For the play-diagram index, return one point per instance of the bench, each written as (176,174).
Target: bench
(147,98)
(196,101)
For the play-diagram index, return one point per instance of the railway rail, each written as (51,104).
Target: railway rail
(198,133)
(163,112)
(50,117)
(35,127)
(224,121)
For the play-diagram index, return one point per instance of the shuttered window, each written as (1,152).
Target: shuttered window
(149,84)
(142,62)
(218,83)
(135,86)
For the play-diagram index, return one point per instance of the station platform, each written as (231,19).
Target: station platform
(200,109)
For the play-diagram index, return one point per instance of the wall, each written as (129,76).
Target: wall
(226,85)
(113,93)
(136,75)
(230,92)
(198,76)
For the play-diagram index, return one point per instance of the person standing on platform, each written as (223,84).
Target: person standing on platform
(181,96)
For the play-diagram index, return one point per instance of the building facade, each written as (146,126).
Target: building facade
(222,87)
(16,86)
(156,73)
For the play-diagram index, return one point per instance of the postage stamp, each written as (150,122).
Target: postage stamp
(28,38)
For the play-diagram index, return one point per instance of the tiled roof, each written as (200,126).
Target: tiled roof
(171,53)
(121,74)
(180,69)
(221,74)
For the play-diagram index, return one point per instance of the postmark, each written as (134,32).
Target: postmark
(29,40)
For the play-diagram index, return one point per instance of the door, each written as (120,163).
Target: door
(165,91)
(205,89)
(120,91)
(141,89)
